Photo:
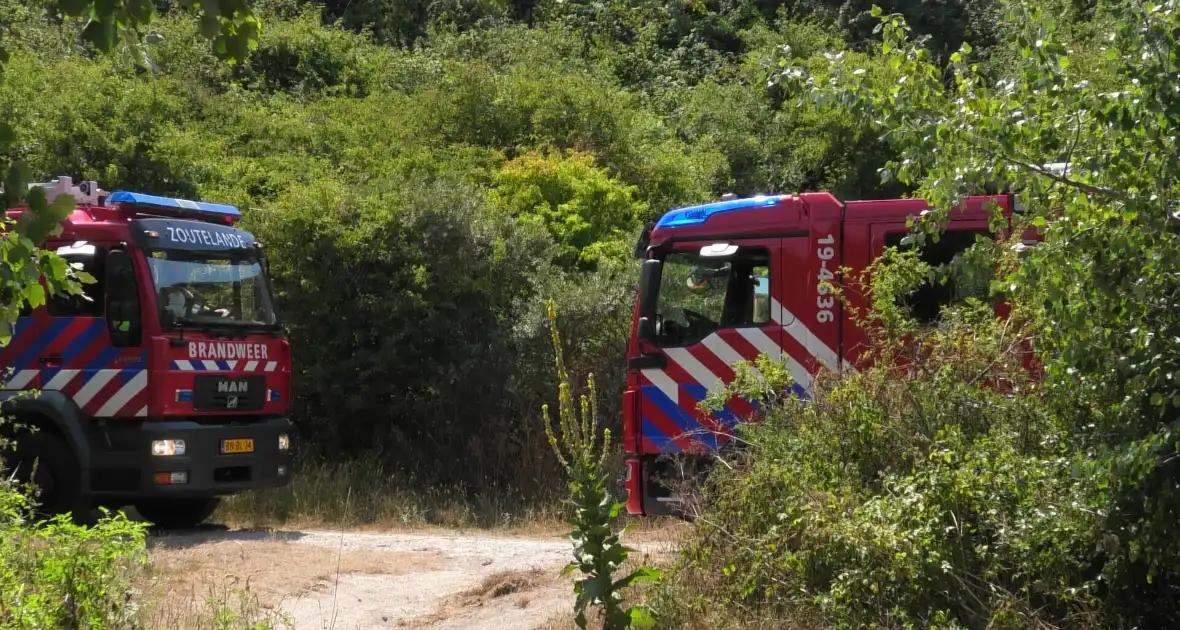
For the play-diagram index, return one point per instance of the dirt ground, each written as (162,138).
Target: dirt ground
(321,580)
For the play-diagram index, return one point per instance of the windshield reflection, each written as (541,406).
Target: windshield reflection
(210,289)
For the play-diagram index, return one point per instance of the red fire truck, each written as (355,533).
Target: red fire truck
(727,281)
(165,386)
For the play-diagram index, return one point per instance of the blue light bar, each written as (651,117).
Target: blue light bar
(696,215)
(195,207)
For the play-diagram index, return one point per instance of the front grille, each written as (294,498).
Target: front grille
(229,393)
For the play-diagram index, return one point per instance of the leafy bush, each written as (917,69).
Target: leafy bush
(66,576)
(935,488)
(416,329)
(588,214)
(58,574)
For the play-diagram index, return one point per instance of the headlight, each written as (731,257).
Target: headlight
(284,442)
(166,448)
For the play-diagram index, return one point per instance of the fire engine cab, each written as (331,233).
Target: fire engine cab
(727,281)
(166,385)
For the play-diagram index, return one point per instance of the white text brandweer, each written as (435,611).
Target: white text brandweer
(227,350)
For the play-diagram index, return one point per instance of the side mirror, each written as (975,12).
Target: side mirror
(647,329)
(649,294)
(122,303)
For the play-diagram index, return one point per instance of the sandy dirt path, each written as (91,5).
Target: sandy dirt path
(325,580)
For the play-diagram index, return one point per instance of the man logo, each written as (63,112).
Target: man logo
(232,387)
(231,402)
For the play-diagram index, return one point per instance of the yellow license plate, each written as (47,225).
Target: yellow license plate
(237,446)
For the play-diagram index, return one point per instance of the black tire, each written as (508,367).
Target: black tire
(54,471)
(177,513)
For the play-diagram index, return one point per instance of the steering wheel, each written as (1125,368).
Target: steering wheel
(696,319)
(194,303)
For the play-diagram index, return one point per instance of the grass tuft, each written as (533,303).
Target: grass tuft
(364,494)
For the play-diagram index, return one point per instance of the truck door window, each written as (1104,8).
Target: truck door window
(124,317)
(90,259)
(965,280)
(700,294)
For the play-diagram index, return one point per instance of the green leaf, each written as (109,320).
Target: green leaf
(643,574)
(34,294)
(210,26)
(642,616)
(7,133)
(101,33)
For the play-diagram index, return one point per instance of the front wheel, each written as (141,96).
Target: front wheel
(177,513)
(48,463)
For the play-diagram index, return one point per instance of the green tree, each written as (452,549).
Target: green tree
(233,30)
(588,213)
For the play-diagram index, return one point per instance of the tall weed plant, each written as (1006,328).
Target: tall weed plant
(583,452)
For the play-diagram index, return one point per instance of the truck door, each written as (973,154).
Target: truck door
(927,302)
(76,348)
(717,306)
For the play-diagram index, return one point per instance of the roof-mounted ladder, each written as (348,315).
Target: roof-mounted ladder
(86,192)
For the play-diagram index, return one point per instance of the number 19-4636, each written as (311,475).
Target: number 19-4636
(824,300)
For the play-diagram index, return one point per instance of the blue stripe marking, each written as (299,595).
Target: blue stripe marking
(726,416)
(83,340)
(22,324)
(661,441)
(199,366)
(47,375)
(686,422)
(31,353)
(698,394)
(800,391)
(104,358)
(683,419)
(670,410)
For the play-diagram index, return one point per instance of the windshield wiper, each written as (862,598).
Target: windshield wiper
(239,328)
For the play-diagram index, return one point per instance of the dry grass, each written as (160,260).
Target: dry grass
(230,584)
(362,495)
(519,587)
(503,583)
(564,621)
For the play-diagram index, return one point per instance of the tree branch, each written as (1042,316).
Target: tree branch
(1061,179)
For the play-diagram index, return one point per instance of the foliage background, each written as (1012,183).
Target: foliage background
(425,174)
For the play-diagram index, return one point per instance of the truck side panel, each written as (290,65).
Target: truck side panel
(65,346)
(73,355)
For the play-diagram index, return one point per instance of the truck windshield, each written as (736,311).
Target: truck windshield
(211,289)
(699,294)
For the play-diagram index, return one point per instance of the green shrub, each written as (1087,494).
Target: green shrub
(56,574)
(934,489)
(588,214)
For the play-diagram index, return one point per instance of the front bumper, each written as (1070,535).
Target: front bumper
(123,467)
